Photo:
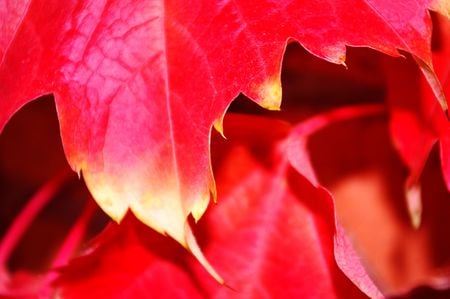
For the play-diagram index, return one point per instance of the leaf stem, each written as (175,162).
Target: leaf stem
(73,239)
(26,216)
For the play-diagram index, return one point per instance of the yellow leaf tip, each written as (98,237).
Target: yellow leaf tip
(414,204)
(213,190)
(270,93)
(116,213)
(200,206)
(218,126)
(105,198)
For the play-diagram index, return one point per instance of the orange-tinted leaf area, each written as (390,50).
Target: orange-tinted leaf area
(344,193)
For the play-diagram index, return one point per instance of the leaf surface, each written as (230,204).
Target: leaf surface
(366,178)
(128,261)
(298,155)
(271,236)
(138,86)
(417,123)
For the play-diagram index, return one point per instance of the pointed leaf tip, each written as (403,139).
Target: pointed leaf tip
(199,207)
(414,203)
(270,93)
(218,125)
(193,247)
(105,197)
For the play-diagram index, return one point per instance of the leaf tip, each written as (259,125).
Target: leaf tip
(213,190)
(270,93)
(218,125)
(199,207)
(195,250)
(414,204)
(104,195)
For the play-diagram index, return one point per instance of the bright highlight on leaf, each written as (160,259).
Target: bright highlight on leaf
(270,93)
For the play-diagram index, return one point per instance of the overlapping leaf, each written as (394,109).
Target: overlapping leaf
(366,177)
(271,236)
(417,123)
(139,85)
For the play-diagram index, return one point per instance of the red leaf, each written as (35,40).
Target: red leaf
(138,87)
(274,239)
(129,261)
(299,157)
(107,58)
(356,162)
(271,236)
(416,122)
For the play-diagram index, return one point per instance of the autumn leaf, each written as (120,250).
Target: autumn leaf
(111,268)
(271,235)
(298,155)
(138,87)
(161,265)
(417,123)
(354,159)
